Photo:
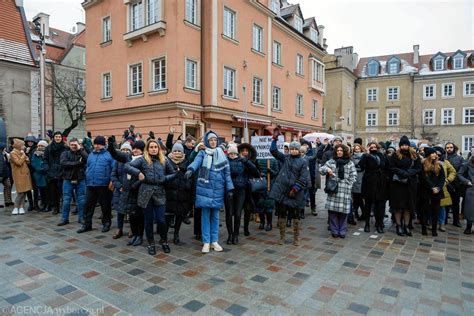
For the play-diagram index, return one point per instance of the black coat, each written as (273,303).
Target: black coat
(403,195)
(375,178)
(73,167)
(179,191)
(52,156)
(430,180)
(241,169)
(4,170)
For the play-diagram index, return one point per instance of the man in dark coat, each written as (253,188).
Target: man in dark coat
(328,150)
(52,156)
(454,188)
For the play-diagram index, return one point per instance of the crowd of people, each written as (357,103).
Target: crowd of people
(154,186)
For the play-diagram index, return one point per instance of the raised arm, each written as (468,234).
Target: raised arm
(275,152)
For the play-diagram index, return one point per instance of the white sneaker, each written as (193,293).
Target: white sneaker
(21,211)
(15,211)
(216,247)
(205,248)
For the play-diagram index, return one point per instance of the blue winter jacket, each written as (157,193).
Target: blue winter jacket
(211,194)
(99,168)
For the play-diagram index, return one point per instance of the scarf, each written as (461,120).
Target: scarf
(57,146)
(376,157)
(176,157)
(213,157)
(340,163)
(39,152)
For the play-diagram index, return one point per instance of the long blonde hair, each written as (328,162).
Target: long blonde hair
(147,156)
(431,165)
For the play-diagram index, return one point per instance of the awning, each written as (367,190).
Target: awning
(294,129)
(249,120)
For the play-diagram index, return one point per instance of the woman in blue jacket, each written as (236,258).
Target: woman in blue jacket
(213,183)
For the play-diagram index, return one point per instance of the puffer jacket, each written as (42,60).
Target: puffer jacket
(357,186)
(52,157)
(264,202)
(153,186)
(179,191)
(73,164)
(294,173)
(39,170)
(99,168)
(241,169)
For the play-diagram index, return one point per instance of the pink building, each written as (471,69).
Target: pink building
(197,65)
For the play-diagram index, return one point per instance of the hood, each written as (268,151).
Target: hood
(251,149)
(206,137)
(31,138)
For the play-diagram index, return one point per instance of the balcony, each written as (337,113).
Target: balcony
(318,86)
(143,32)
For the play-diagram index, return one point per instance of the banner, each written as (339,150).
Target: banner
(262,145)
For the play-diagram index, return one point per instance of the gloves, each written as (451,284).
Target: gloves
(276,133)
(111,140)
(188,174)
(292,192)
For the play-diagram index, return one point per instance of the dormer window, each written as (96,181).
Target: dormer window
(458,62)
(275,6)
(393,66)
(314,35)
(373,68)
(298,24)
(439,64)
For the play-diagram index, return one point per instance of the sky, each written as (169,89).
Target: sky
(372,27)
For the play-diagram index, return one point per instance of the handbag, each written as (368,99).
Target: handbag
(258,185)
(331,186)
(396,178)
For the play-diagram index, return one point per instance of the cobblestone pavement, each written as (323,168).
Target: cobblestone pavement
(45,269)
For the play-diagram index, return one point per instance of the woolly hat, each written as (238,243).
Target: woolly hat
(232,149)
(358,140)
(429,151)
(211,135)
(18,143)
(58,133)
(295,145)
(99,140)
(286,144)
(139,144)
(127,146)
(339,138)
(178,147)
(43,143)
(30,138)
(404,141)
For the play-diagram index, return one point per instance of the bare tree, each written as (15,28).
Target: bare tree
(67,86)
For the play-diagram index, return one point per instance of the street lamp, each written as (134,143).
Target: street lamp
(42,53)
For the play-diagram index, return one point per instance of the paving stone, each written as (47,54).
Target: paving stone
(15,299)
(358,308)
(259,279)
(389,292)
(66,290)
(236,309)
(154,289)
(14,262)
(193,305)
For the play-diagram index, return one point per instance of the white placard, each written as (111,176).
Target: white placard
(262,145)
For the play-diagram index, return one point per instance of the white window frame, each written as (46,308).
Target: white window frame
(229,79)
(153,12)
(318,72)
(393,93)
(275,6)
(374,96)
(276,58)
(191,11)
(106,29)
(390,70)
(435,65)
(137,21)
(371,119)
(299,105)
(257,38)
(299,64)
(257,91)
(425,86)
(229,27)
(193,84)
(457,59)
(453,90)
(162,84)
(106,88)
(444,117)
(425,111)
(471,89)
(466,149)
(465,117)
(139,79)
(391,120)
(276,98)
(314,109)
(314,35)
(298,23)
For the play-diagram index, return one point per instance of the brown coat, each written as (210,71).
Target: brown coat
(20,170)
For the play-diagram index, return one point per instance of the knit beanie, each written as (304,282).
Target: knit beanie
(404,141)
(99,140)
(127,146)
(139,144)
(232,149)
(177,147)
(43,143)
(429,151)
(211,135)
(358,140)
(295,145)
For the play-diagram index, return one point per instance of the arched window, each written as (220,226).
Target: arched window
(393,65)
(373,67)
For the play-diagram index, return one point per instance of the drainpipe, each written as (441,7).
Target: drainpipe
(412,79)
(356,101)
(201,77)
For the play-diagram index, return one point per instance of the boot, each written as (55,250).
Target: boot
(424,231)
(302,213)
(229,239)
(367,227)
(262,221)
(235,239)
(407,231)
(281,225)
(269,222)
(138,241)
(313,211)
(151,248)
(379,229)
(176,240)
(131,241)
(288,222)
(399,230)
(434,229)
(296,232)
(468,230)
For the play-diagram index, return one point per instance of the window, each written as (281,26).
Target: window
(392,117)
(468,89)
(314,109)
(159,74)
(429,91)
(392,94)
(447,116)
(393,67)
(373,68)
(299,104)
(371,118)
(80,84)
(317,73)
(458,62)
(191,74)
(349,116)
(439,64)
(275,6)
(324,116)
(299,64)
(448,90)
(153,11)
(135,78)
(276,99)
(257,90)
(136,15)
(429,117)
(229,23)
(468,116)
(229,82)
(257,38)
(372,94)
(276,53)
(106,86)
(467,143)
(191,11)
(298,24)
(106,28)
(314,35)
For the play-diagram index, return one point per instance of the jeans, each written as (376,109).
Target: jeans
(120,220)
(233,209)
(102,195)
(156,213)
(338,223)
(442,215)
(68,190)
(210,225)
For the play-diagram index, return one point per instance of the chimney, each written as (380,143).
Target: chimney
(325,46)
(43,20)
(19,3)
(416,54)
(80,27)
(321,34)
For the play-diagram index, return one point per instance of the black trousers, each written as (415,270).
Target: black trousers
(357,202)
(378,207)
(287,212)
(197,221)
(233,212)
(55,188)
(430,209)
(102,195)
(137,225)
(455,198)
(178,220)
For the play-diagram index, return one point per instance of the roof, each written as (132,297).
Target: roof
(359,71)
(15,43)
(310,22)
(289,10)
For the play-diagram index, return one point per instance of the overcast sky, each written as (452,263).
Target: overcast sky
(373,27)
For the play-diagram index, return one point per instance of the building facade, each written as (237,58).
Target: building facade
(197,65)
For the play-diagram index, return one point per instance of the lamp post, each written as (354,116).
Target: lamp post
(42,66)
(246,125)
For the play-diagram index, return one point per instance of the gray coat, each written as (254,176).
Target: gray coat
(357,186)
(466,175)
